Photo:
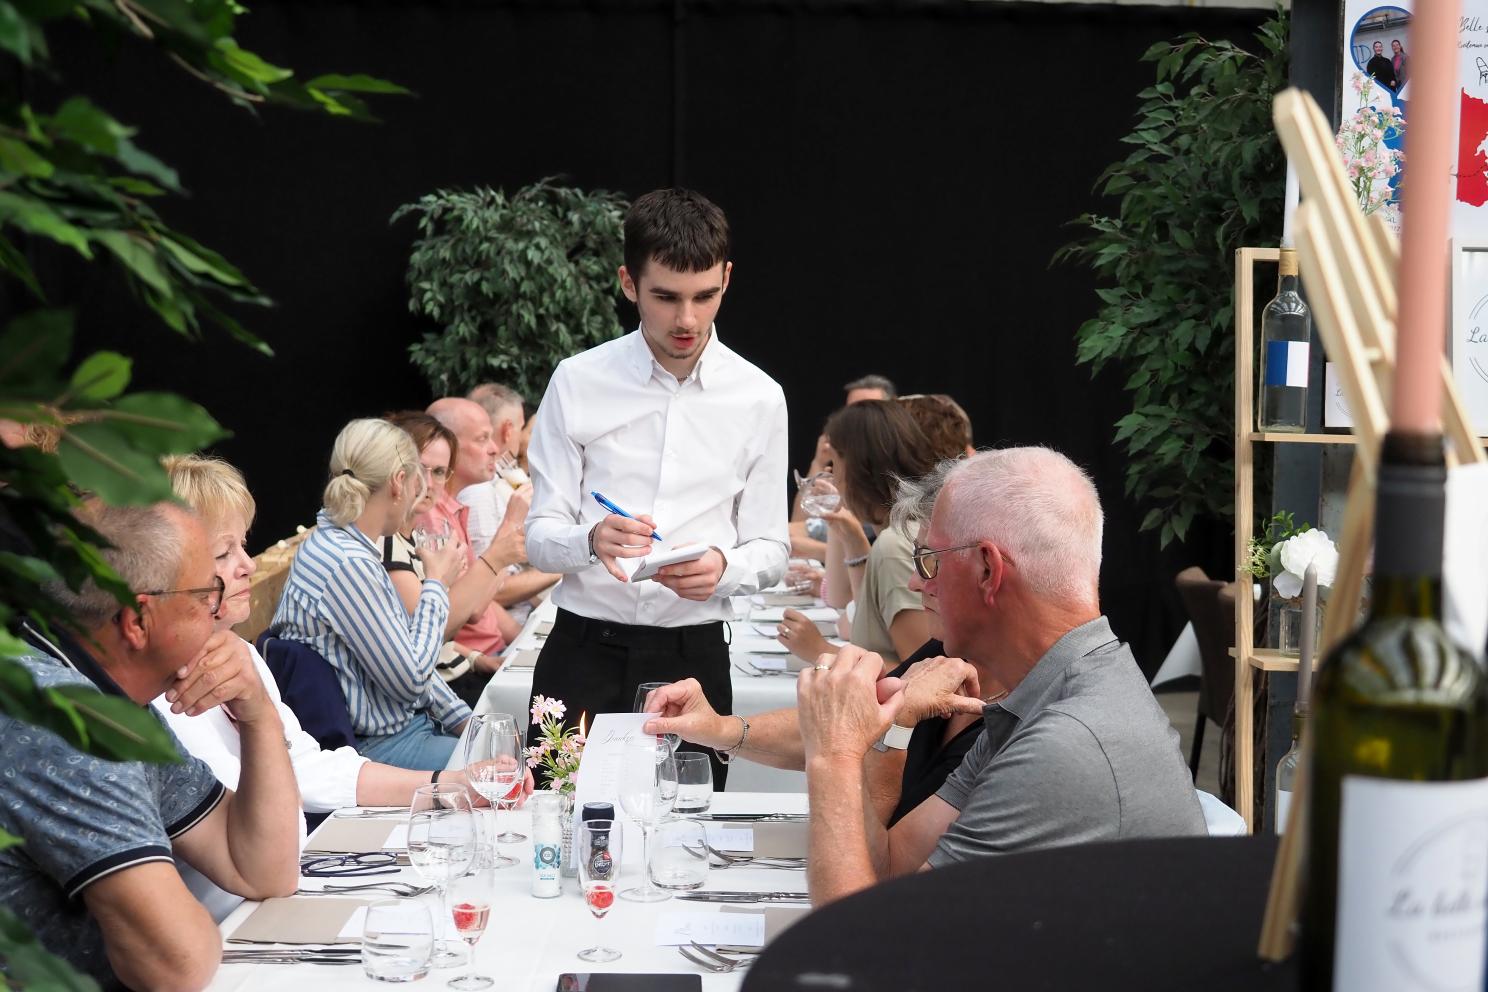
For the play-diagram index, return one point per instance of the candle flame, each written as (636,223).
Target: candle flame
(582,717)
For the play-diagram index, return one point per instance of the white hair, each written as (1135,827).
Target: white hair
(914,500)
(1037,505)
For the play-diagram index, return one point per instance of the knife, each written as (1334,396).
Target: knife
(722,896)
(751,817)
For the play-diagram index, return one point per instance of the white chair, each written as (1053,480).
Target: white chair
(1219,818)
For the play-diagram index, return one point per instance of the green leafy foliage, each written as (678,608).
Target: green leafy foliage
(1205,177)
(517,284)
(72,176)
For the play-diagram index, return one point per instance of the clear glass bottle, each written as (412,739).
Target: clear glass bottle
(547,844)
(1286,769)
(1286,333)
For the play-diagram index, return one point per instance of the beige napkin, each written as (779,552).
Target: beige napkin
(543,629)
(351,836)
(316,920)
(522,659)
(791,599)
(778,919)
(779,840)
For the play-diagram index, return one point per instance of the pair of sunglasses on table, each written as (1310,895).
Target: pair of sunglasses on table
(927,560)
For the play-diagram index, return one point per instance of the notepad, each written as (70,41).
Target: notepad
(660,557)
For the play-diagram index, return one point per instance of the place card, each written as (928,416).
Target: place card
(771,664)
(741,929)
(312,920)
(778,919)
(725,838)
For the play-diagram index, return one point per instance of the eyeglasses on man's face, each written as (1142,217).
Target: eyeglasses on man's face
(927,560)
(211,595)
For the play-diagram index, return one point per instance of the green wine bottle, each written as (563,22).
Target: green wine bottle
(1397,854)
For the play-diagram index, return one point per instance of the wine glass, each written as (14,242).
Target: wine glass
(642,691)
(648,786)
(441,845)
(599,867)
(819,496)
(495,767)
(470,907)
(430,534)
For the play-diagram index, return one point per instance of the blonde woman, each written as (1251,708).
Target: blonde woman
(327,780)
(339,600)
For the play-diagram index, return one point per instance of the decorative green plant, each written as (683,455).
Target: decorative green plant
(517,284)
(1205,177)
(71,175)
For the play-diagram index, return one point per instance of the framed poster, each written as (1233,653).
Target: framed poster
(1468,342)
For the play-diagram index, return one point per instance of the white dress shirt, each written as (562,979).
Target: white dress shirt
(487,502)
(704,457)
(327,779)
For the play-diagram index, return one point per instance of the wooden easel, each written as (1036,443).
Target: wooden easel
(1348,264)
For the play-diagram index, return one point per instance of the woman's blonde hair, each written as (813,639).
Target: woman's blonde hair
(212,488)
(366,456)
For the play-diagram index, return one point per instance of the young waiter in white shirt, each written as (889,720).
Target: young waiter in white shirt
(676,428)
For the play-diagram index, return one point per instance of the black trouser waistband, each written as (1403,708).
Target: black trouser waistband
(635,635)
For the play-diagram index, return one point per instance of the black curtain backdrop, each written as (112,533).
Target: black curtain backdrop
(897,176)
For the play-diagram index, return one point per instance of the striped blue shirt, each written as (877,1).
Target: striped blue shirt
(339,600)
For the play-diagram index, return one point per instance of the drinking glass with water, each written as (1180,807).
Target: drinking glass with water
(397,940)
(694,783)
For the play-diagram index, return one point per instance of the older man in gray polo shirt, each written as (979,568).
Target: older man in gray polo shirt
(1077,750)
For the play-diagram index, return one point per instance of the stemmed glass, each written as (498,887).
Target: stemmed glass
(441,845)
(642,691)
(470,907)
(494,768)
(648,787)
(599,866)
(819,495)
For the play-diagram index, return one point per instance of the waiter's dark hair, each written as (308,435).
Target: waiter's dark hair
(681,229)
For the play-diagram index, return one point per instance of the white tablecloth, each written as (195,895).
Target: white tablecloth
(530,941)
(510,691)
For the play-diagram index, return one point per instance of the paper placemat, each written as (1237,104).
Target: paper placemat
(543,629)
(791,599)
(522,659)
(313,920)
(350,836)
(778,919)
(775,614)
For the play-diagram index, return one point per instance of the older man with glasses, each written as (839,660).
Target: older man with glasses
(95,877)
(1076,750)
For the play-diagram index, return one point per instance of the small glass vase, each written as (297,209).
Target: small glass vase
(1289,627)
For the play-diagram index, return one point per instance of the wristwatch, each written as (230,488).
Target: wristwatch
(895,737)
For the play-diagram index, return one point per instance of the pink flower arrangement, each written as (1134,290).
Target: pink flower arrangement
(558,751)
(1369,164)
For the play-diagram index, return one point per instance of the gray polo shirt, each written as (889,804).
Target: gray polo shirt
(82,818)
(1079,751)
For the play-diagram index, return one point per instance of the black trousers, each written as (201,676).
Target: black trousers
(594,666)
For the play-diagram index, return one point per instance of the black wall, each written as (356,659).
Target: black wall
(897,176)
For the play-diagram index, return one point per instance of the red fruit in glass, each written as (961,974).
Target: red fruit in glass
(600,898)
(470,918)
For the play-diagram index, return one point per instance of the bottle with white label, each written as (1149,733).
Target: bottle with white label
(1286,771)
(1397,846)
(1286,333)
(547,844)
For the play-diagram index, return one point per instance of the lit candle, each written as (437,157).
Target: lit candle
(1430,142)
(582,717)
(1293,194)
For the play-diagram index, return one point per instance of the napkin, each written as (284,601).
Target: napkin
(522,659)
(775,614)
(791,599)
(317,920)
(780,840)
(543,629)
(778,919)
(352,836)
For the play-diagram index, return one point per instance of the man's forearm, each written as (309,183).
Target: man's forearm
(262,825)
(841,860)
(523,586)
(883,772)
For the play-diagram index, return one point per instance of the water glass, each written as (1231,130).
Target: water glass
(694,783)
(430,534)
(819,496)
(397,940)
(680,855)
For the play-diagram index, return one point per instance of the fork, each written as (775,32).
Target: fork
(714,963)
(405,889)
(742,860)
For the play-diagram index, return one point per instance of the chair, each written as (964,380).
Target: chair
(1210,605)
(308,685)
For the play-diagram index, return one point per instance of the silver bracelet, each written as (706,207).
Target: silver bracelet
(851,562)
(727,754)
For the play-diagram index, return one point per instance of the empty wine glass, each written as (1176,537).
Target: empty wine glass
(470,898)
(819,496)
(441,844)
(642,691)
(495,767)
(599,867)
(648,787)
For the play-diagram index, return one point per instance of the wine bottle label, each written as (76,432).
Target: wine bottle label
(1286,363)
(1283,807)
(1412,885)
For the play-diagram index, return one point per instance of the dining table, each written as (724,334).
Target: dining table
(760,671)
(529,942)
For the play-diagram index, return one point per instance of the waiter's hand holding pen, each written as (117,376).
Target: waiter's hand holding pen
(620,535)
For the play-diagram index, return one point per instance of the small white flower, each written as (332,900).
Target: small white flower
(1296,553)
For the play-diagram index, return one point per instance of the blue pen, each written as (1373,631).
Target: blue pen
(615,509)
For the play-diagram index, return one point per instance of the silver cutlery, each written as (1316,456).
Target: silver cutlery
(295,958)
(753,817)
(709,961)
(369,813)
(726,859)
(405,889)
(734,896)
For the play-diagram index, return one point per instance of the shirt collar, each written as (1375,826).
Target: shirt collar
(1032,694)
(70,651)
(710,362)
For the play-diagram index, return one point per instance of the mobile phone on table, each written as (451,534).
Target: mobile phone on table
(617,982)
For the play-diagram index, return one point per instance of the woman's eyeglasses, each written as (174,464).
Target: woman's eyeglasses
(350,865)
(213,593)
(927,561)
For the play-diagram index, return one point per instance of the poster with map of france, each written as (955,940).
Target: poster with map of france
(1374,115)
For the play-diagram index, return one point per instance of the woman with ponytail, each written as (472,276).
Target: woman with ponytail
(339,600)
